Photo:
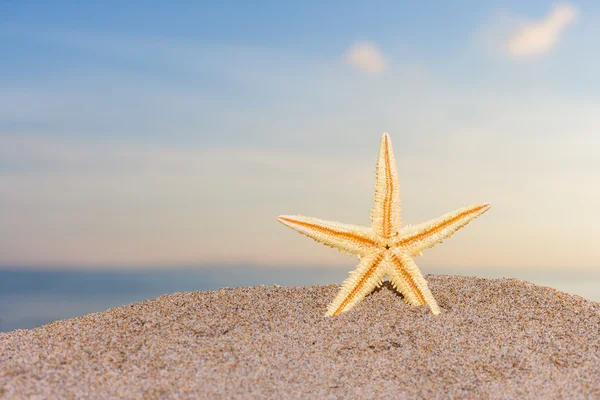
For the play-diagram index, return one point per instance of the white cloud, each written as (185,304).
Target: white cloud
(541,36)
(367,57)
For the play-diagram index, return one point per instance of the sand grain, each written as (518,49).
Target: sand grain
(495,338)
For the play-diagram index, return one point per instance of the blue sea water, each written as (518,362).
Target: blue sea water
(30,298)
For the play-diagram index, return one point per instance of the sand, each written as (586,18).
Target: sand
(495,338)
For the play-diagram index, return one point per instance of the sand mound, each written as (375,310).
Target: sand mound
(495,338)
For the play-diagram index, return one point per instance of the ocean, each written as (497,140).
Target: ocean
(30,298)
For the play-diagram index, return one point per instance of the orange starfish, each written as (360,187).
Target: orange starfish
(385,248)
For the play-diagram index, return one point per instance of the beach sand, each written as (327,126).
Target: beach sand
(495,338)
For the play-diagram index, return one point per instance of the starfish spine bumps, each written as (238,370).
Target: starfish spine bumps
(386,248)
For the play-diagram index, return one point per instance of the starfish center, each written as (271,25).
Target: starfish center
(387,246)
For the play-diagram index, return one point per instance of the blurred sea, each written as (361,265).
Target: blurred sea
(30,298)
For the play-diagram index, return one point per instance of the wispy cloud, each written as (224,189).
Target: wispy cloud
(539,37)
(144,166)
(367,57)
(137,89)
(65,202)
(71,203)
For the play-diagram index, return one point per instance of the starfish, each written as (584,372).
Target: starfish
(386,248)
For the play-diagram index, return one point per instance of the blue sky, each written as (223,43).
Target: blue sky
(234,55)
(160,133)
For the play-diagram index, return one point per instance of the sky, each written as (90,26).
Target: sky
(153,134)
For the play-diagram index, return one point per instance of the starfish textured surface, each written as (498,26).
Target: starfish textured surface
(386,248)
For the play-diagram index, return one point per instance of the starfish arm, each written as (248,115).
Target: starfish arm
(405,276)
(415,239)
(366,277)
(385,213)
(346,238)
